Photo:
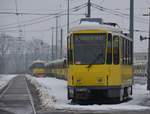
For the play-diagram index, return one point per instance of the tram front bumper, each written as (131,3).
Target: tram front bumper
(83,93)
(78,93)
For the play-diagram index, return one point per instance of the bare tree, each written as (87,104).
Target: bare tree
(4,46)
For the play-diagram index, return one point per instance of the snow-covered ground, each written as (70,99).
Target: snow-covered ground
(4,79)
(53,93)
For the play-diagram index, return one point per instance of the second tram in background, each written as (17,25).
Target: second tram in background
(57,68)
(37,68)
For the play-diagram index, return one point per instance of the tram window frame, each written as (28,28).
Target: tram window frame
(116,58)
(109,45)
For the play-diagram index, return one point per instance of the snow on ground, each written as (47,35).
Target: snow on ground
(53,93)
(4,79)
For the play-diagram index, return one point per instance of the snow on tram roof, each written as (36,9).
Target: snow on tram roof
(39,61)
(56,61)
(93,26)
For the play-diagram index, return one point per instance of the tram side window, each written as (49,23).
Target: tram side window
(130,50)
(122,50)
(127,52)
(121,46)
(131,44)
(69,51)
(115,49)
(109,49)
(124,45)
(68,47)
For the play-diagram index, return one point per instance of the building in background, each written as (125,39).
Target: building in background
(140,63)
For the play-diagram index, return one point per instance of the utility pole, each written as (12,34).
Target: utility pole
(132,31)
(18,21)
(148,69)
(132,19)
(68,16)
(56,37)
(61,43)
(52,43)
(89,9)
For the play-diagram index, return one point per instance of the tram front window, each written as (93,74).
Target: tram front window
(39,65)
(89,48)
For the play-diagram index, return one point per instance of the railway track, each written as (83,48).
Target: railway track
(16,98)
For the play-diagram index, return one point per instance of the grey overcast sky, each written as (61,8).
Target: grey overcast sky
(33,27)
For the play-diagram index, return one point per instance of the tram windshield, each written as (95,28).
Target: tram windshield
(38,65)
(89,48)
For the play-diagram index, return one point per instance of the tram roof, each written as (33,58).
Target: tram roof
(95,26)
(56,61)
(38,61)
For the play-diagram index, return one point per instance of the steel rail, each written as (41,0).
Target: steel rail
(30,96)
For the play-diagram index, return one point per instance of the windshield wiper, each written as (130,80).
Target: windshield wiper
(98,56)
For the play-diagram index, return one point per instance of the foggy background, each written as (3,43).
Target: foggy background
(24,38)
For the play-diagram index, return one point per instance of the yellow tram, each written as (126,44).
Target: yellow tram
(57,68)
(99,61)
(37,68)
